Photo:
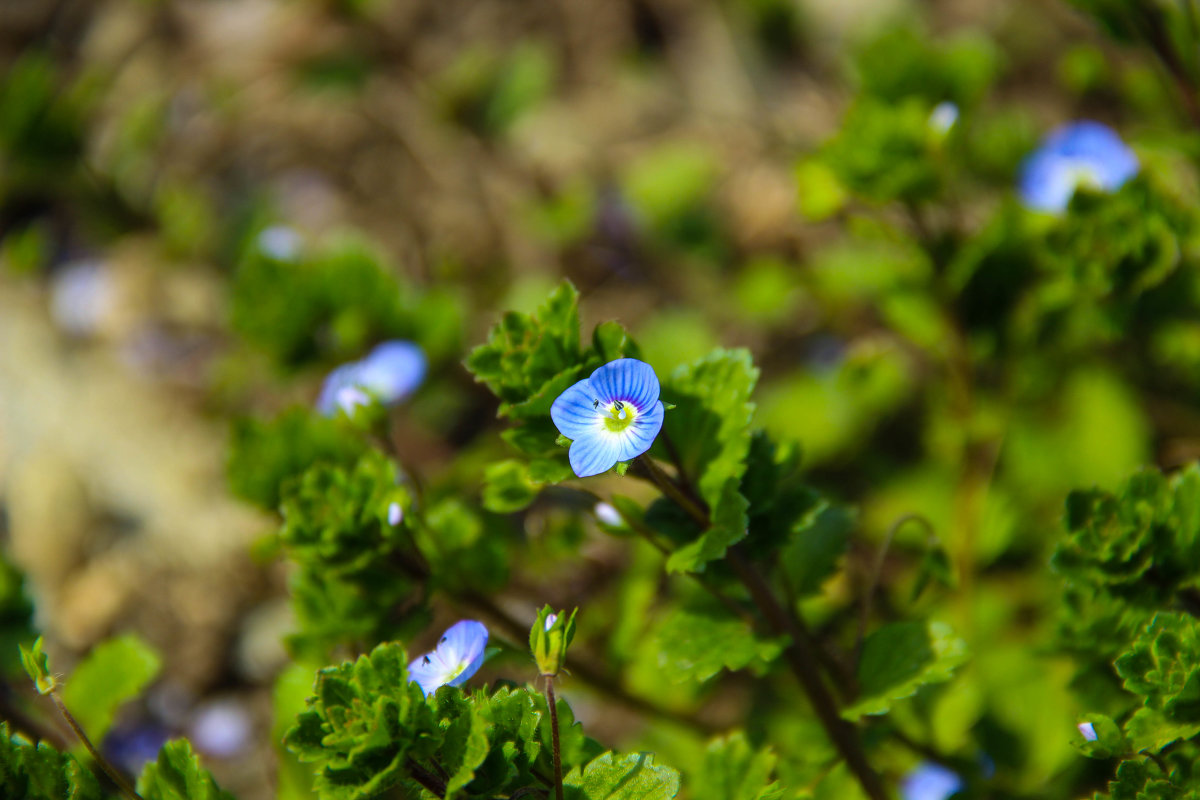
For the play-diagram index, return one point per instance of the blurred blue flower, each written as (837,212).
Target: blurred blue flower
(930,781)
(1079,154)
(458,656)
(389,373)
(943,117)
(280,243)
(612,416)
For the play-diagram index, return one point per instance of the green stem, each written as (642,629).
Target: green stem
(550,700)
(112,772)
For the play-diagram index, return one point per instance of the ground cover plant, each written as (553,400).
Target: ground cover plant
(447,400)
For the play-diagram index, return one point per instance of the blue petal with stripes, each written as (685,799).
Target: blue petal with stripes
(458,656)
(614,415)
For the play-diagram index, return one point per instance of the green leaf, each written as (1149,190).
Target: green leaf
(900,658)
(1150,729)
(264,455)
(1141,543)
(711,429)
(1109,741)
(812,552)
(464,744)
(37,667)
(733,770)
(695,645)
(729,527)
(511,485)
(526,353)
(362,724)
(508,487)
(1163,667)
(1142,780)
(114,672)
(622,777)
(39,772)
(177,775)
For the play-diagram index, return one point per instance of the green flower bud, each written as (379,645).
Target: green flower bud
(36,665)
(548,639)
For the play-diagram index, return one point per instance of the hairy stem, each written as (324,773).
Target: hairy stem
(550,700)
(112,772)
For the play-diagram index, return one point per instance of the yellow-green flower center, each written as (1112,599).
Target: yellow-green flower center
(620,416)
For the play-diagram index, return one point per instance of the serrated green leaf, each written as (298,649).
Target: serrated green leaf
(114,672)
(39,772)
(695,645)
(900,658)
(711,430)
(1150,729)
(1163,667)
(814,548)
(177,775)
(464,743)
(528,356)
(622,777)
(733,770)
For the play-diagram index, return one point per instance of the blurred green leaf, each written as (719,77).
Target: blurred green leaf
(615,777)
(814,548)
(900,658)
(733,770)
(696,644)
(115,672)
(177,775)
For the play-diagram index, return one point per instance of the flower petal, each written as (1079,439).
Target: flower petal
(594,453)
(429,671)
(463,642)
(347,375)
(628,380)
(393,370)
(574,412)
(637,438)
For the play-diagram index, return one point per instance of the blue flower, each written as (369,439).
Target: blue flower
(930,781)
(389,373)
(458,656)
(612,416)
(1079,154)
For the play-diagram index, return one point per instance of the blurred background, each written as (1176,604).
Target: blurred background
(202,201)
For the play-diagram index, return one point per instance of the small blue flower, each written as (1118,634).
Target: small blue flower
(612,416)
(389,373)
(943,117)
(1079,154)
(458,656)
(930,781)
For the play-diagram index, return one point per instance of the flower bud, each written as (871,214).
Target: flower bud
(548,639)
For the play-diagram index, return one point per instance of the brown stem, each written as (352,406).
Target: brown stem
(426,778)
(112,772)
(550,700)
(799,653)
